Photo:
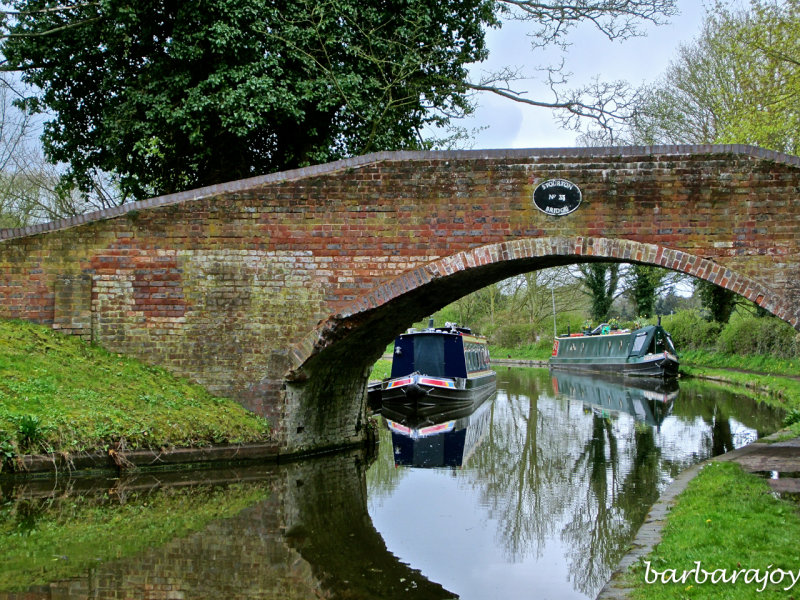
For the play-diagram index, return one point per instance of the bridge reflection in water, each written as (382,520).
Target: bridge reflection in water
(555,478)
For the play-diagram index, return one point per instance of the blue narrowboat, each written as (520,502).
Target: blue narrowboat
(439,366)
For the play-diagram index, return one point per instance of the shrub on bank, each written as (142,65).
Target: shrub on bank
(753,335)
(690,331)
(513,335)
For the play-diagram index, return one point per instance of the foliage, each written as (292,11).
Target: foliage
(724,517)
(792,417)
(738,82)
(644,286)
(601,281)
(512,335)
(60,394)
(540,350)
(718,301)
(754,335)
(169,95)
(172,95)
(689,330)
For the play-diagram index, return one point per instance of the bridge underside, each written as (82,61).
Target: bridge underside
(340,352)
(282,290)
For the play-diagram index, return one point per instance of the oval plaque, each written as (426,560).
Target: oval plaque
(557,197)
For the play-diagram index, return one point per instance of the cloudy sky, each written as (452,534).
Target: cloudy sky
(510,125)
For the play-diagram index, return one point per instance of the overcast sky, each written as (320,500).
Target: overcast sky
(638,60)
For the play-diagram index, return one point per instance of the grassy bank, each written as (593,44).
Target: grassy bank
(725,519)
(60,394)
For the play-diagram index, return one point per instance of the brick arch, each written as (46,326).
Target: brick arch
(516,257)
(327,382)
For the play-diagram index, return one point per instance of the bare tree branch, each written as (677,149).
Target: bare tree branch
(50,31)
(616,19)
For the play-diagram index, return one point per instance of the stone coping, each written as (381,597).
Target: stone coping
(401,155)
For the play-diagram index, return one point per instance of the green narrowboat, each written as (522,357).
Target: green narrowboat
(644,352)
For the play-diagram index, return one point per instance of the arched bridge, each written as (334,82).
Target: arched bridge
(282,290)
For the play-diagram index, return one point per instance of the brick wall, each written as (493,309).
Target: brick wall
(281,290)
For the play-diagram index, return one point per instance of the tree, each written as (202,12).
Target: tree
(601,281)
(738,82)
(647,285)
(169,95)
(718,302)
(29,185)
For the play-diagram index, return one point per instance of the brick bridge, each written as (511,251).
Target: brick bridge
(282,290)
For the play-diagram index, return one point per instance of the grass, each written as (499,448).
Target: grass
(60,394)
(746,362)
(775,390)
(381,369)
(541,350)
(725,519)
(62,537)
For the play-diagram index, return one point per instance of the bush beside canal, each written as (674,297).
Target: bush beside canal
(60,394)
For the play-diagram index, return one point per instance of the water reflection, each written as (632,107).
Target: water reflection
(555,477)
(564,477)
(295,531)
(647,400)
(444,438)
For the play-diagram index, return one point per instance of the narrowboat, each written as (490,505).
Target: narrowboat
(439,366)
(644,352)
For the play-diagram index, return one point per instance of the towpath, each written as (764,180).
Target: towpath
(778,461)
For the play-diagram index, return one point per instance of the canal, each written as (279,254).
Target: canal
(534,494)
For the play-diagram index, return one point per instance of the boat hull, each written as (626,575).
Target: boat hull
(663,365)
(426,394)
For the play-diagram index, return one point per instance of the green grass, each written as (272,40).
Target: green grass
(381,369)
(746,362)
(726,519)
(60,394)
(63,537)
(781,392)
(541,350)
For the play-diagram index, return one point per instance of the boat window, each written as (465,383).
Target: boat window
(670,345)
(638,343)
(429,355)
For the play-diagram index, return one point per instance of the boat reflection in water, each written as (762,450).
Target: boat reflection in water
(647,400)
(444,438)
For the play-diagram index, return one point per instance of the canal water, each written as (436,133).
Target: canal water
(536,493)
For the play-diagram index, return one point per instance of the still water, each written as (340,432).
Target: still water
(535,494)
